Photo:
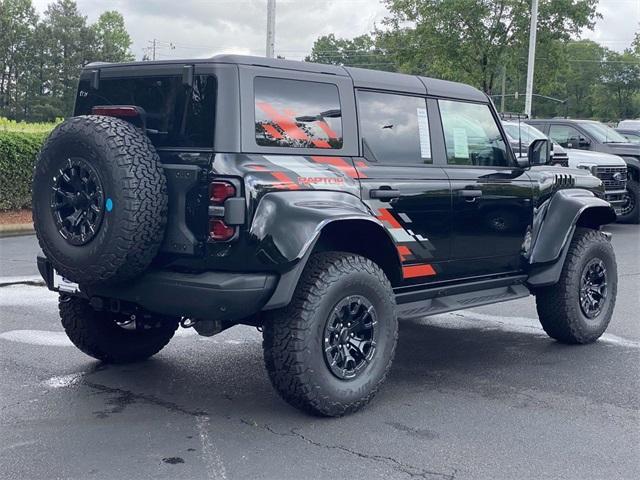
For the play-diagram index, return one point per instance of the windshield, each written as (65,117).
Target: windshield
(602,133)
(528,133)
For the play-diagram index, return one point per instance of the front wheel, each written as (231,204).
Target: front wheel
(630,210)
(329,350)
(579,307)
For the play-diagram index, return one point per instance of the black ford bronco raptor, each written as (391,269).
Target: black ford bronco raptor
(318,203)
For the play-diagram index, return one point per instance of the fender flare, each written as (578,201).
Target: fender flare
(288,224)
(553,227)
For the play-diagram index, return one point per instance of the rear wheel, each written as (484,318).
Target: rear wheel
(330,349)
(111,337)
(579,307)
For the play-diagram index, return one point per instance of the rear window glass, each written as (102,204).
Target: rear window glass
(177,115)
(296,113)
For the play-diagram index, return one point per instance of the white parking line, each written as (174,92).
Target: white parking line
(38,337)
(210,455)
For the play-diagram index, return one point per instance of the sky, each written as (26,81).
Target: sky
(202,28)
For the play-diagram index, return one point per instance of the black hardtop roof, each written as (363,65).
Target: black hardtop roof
(362,78)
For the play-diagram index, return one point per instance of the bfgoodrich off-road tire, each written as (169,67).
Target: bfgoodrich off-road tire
(99,336)
(332,288)
(632,204)
(560,310)
(99,200)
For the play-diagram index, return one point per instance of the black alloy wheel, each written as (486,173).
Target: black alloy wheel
(77,201)
(593,288)
(350,337)
(628,204)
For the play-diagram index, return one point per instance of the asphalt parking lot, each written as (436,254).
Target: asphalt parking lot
(472,395)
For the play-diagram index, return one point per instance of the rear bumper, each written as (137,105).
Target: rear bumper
(224,296)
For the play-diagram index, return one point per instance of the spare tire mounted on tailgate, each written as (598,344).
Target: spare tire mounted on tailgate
(99,200)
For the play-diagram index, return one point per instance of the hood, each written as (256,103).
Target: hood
(577,157)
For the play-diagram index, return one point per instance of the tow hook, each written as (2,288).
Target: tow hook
(187,322)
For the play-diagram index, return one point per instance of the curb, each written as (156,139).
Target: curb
(35,280)
(16,229)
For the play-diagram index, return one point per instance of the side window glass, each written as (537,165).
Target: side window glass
(394,128)
(565,135)
(472,136)
(297,114)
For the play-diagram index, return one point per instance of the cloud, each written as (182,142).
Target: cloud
(202,28)
(618,25)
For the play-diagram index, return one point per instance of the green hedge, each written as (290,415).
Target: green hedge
(18,152)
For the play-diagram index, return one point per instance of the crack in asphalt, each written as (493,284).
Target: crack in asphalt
(410,470)
(126,397)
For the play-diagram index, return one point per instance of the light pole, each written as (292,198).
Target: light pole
(532,56)
(271,28)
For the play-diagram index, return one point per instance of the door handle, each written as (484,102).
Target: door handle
(470,193)
(384,193)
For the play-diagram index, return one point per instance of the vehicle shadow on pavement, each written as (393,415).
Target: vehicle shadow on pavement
(197,377)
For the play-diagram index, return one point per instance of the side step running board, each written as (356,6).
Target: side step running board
(460,301)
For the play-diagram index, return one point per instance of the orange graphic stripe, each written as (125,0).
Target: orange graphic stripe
(338,162)
(413,271)
(258,168)
(404,252)
(386,216)
(286,180)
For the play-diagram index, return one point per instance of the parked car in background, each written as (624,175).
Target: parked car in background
(633,135)
(598,137)
(602,165)
(521,135)
(630,124)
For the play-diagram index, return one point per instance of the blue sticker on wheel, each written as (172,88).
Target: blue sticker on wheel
(109,204)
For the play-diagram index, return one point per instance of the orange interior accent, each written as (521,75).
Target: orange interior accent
(271,130)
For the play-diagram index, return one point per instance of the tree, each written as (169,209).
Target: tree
(67,49)
(17,24)
(40,59)
(111,39)
(470,40)
(356,52)
(621,81)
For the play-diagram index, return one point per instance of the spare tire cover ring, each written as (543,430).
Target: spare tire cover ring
(77,201)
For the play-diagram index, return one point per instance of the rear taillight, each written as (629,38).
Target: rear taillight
(220,191)
(220,231)
(116,111)
(223,223)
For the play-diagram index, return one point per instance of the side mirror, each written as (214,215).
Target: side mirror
(572,142)
(583,143)
(539,152)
